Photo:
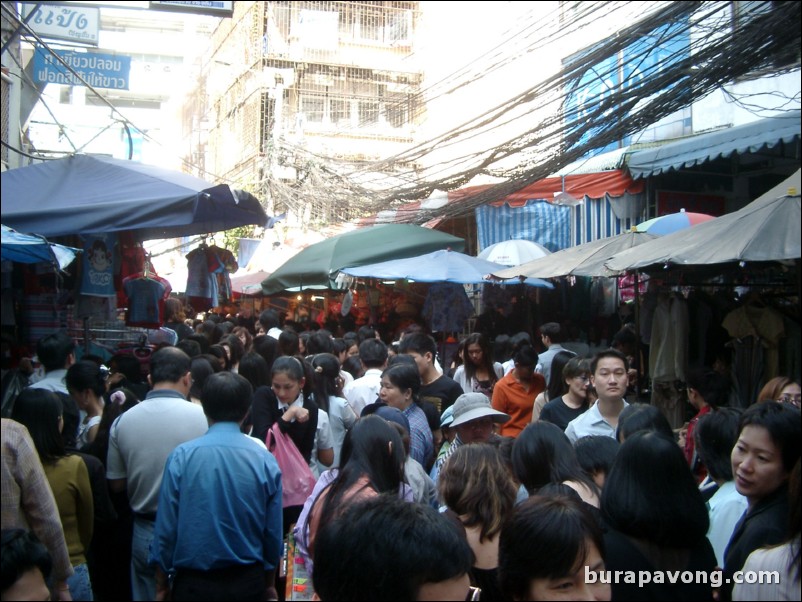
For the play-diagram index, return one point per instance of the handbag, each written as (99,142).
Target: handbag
(297,480)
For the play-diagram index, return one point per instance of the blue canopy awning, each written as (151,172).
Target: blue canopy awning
(30,248)
(92,193)
(748,138)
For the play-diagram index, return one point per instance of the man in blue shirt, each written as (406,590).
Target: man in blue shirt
(218,527)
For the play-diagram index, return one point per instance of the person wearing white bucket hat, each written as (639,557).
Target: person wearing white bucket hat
(473,422)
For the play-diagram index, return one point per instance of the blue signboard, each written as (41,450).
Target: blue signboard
(629,69)
(97,69)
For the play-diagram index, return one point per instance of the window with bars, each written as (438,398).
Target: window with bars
(375,23)
(368,112)
(340,111)
(313,108)
(397,110)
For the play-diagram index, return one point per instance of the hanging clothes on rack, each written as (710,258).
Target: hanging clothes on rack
(756,330)
(447,307)
(132,258)
(208,280)
(222,263)
(146,294)
(199,279)
(668,357)
(97,277)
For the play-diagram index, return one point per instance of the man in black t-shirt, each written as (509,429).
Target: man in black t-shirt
(436,388)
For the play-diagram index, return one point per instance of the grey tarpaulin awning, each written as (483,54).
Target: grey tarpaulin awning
(767,229)
(749,138)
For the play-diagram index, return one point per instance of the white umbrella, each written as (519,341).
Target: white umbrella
(514,252)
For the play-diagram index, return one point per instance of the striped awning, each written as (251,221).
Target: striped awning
(613,183)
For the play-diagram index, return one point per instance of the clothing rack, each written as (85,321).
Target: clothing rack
(109,333)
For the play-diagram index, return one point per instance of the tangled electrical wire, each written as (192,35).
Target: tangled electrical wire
(710,50)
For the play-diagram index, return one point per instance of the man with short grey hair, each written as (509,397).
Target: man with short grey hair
(140,441)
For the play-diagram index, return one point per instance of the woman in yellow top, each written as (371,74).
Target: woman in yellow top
(41,412)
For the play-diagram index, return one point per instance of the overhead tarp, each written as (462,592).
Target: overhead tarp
(614,159)
(598,177)
(695,150)
(437,266)
(84,194)
(584,260)
(29,248)
(423,212)
(767,229)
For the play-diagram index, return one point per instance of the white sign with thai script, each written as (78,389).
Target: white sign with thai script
(73,23)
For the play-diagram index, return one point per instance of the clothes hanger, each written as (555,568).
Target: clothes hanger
(146,268)
(142,350)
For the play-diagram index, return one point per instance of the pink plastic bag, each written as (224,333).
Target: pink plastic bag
(297,480)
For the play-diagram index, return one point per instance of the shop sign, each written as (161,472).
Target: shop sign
(73,23)
(97,69)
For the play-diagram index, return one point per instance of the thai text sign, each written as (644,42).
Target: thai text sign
(73,23)
(97,69)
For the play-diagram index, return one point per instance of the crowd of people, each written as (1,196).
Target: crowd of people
(522,473)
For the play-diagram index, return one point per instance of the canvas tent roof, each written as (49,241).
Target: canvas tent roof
(93,193)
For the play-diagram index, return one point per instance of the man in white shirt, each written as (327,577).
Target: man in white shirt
(365,390)
(551,338)
(270,322)
(609,377)
(140,441)
(56,353)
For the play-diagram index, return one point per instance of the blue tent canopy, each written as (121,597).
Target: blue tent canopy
(29,248)
(82,194)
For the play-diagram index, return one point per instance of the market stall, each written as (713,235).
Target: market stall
(108,207)
(741,273)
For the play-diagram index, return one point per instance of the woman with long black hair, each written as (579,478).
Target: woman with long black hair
(327,385)
(542,454)
(478,372)
(372,464)
(657,520)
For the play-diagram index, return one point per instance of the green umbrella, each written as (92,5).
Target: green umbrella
(318,264)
